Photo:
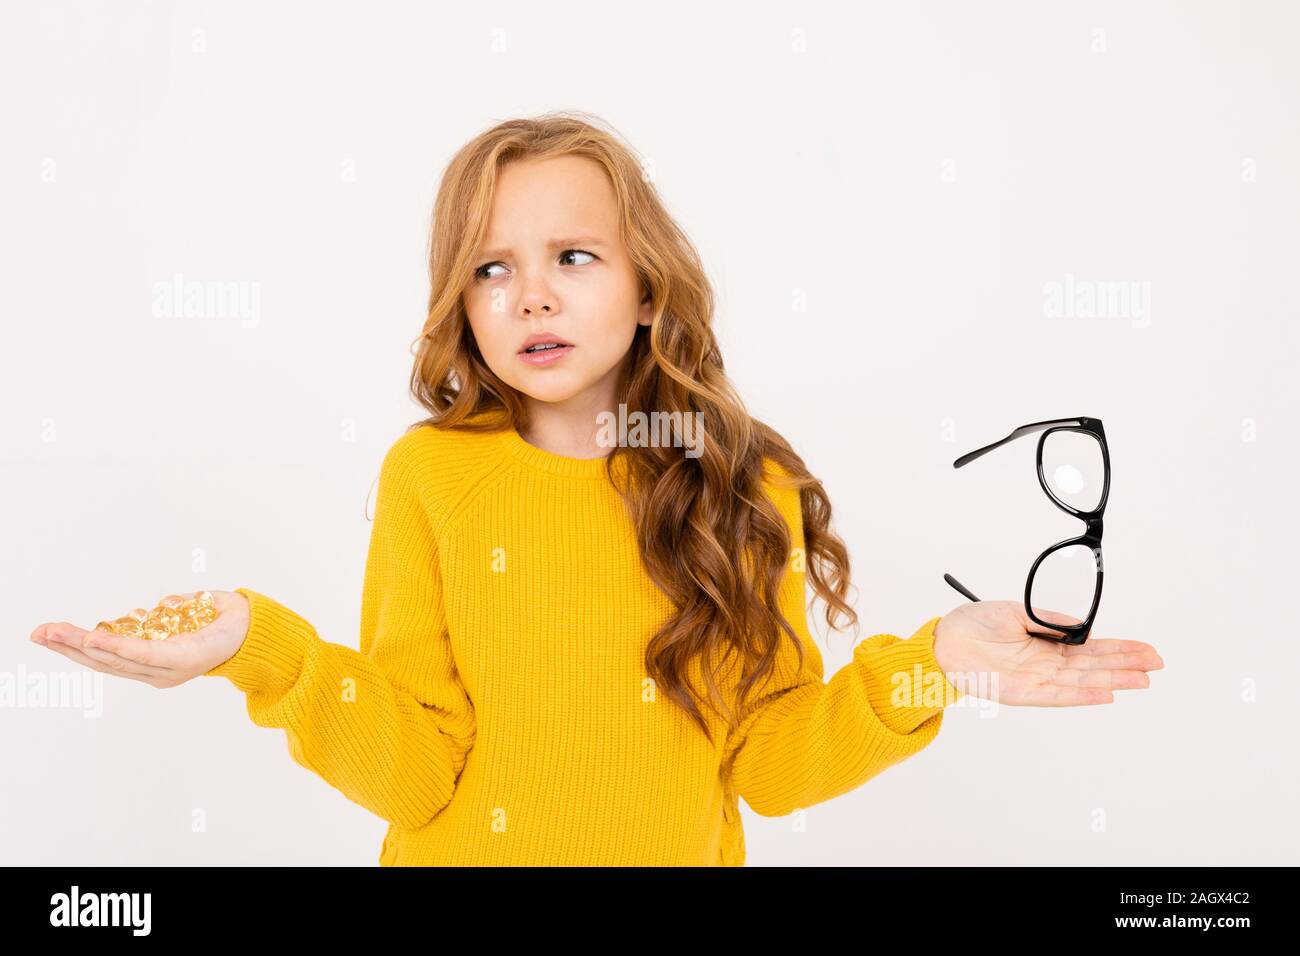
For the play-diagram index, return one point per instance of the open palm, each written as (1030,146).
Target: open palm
(165,663)
(986,648)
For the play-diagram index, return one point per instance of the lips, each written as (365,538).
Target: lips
(546,355)
(540,339)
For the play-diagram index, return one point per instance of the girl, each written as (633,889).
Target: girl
(582,644)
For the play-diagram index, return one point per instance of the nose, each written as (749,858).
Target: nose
(536,300)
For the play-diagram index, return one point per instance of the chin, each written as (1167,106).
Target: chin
(549,392)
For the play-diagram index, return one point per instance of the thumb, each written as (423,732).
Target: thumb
(1051,617)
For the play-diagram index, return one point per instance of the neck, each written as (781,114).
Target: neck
(568,431)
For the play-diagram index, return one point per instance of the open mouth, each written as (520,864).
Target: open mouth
(545,353)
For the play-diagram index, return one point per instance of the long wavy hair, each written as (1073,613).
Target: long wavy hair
(692,516)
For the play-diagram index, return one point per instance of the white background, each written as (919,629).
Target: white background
(880,193)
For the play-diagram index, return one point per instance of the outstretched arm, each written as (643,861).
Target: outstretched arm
(390,725)
(809,740)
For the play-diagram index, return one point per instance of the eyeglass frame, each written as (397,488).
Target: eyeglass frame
(1074,633)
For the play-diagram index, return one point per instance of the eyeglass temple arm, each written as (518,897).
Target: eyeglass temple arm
(958,585)
(1022,430)
(971,597)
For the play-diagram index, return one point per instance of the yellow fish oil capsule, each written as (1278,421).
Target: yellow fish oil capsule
(171,615)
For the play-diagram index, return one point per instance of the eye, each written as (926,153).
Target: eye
(479,272)
(579,252)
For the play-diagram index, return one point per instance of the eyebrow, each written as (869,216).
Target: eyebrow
(489,254)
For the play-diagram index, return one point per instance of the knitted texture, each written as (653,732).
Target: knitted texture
(498,711)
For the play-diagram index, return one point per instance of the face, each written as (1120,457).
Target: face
(553,262)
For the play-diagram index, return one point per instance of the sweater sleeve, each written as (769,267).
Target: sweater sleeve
(802,740)
(390,725)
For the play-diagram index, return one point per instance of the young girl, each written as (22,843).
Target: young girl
(582,644)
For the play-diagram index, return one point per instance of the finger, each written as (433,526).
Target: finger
(90,646)
(1108,645)
(1132,660)
(75,654)
(1112,679)
(1054,695)
(139,650)
(123,665)
(54,629)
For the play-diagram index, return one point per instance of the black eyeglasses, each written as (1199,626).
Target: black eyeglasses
(1080,471)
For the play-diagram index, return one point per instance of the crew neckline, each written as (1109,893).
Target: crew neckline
(587,468)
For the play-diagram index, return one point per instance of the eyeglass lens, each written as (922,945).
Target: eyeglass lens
(1066,581)
(1074,469)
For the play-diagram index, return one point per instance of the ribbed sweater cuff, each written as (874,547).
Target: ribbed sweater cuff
(905,684)
(272,654)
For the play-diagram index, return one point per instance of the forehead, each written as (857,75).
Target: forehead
(558,196)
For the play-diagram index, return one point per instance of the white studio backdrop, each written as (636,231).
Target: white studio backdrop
(905,209)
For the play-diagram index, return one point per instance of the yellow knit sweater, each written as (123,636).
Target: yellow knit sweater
(498,711)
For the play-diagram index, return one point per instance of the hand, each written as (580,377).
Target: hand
(991,637)
(164,663)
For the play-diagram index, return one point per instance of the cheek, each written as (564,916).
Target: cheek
(613,310)
(488,334)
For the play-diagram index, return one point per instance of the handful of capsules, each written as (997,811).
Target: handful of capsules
(173,615)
